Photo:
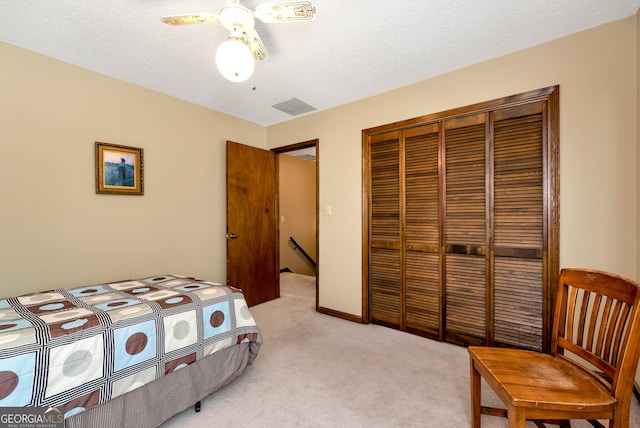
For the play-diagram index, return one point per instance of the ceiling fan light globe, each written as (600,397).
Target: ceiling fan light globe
(235,60)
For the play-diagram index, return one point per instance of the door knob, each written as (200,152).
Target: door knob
(231,236)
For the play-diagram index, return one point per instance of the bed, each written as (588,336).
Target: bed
(124,354)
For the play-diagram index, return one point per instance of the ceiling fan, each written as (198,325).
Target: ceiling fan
(235,57)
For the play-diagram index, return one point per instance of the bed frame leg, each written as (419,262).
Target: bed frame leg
(198,406)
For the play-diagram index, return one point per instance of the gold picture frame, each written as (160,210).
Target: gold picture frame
(119,169)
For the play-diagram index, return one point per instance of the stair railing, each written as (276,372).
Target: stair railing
(297,246)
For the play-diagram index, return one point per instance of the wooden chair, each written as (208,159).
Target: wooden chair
(596,319)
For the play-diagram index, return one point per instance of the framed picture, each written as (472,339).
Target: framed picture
(119,169)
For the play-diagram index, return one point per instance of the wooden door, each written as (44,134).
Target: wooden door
(422,230)
(461,213)
(404,230)
(386,285)
(252,234)
(465,229)
(520,234)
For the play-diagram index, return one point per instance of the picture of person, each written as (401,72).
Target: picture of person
(122,173)
(119,169)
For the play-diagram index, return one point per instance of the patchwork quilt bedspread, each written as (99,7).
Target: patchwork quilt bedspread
(77,348)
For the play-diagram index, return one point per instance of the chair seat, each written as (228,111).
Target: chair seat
(534,380)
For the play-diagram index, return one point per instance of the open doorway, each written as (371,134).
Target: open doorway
(298,211)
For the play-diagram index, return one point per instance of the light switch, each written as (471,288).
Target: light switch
(281,219)
(327,209)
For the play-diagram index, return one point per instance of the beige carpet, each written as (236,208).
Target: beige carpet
(314,370)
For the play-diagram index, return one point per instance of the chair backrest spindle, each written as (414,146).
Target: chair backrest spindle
(593,322)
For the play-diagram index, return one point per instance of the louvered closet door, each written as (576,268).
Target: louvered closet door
(385,230)
(463,223)
(518,226)
(465,229)
(422,295)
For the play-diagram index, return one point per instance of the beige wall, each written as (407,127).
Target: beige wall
(297,212)
(54,230)
(596,71)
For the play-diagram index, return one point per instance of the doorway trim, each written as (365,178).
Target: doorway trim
(290,148)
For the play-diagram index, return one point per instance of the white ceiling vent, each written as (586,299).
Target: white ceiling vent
(293,107)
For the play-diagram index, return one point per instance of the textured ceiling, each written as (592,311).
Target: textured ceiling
(351,50)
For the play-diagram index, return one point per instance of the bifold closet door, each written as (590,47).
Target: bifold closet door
(421,244)
(462,223)
(404,230)
(465,229)
(519,234)
(385,263)
(494,234)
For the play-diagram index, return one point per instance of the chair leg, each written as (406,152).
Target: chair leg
(620,417)
(516,417)
(475,396)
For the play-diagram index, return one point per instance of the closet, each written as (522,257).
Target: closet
(460,225)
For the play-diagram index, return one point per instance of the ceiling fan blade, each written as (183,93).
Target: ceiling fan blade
(255,44)
(199,18)
(280,12)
